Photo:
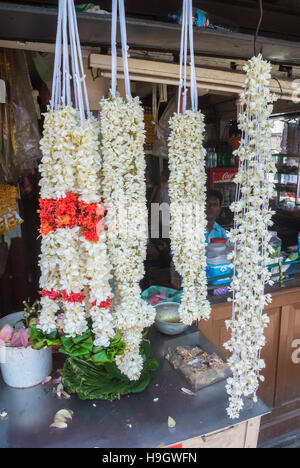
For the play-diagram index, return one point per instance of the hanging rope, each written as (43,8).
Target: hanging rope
(258,25)
(67,33)
(125,47)
(187,32)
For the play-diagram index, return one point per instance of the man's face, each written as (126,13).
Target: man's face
(213,208)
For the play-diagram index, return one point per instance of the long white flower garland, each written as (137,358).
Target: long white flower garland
(187,188)
(251,236)
(122,127)
(75,271)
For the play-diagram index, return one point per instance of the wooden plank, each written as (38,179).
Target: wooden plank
(222,78)
(252,433)
(233,437)
(288,378)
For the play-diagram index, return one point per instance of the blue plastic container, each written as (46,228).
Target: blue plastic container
(217,261)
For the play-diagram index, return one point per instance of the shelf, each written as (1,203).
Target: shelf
(281,155)
(286,188)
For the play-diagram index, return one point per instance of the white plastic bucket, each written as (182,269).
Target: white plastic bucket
(24,367)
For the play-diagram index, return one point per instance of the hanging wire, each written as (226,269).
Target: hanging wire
(67,35)
(187,35)
(115,5)
(258,25)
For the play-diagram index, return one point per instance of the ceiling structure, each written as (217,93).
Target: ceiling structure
(281,18)
(28,21)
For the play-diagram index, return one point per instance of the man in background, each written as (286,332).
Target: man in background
(213,210)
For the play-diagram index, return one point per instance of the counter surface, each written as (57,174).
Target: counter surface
(134,421)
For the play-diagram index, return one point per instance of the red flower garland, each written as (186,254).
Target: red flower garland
(56,296)
(103,305)
(68,212)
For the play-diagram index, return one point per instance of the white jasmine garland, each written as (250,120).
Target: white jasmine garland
(69,263)
(58,167)
(251,236)
(187,189)
(47,319)
(97,269)
(123,134)
(131,362)
(88,160)
(74,319)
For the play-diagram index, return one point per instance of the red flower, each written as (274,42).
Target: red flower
(73,297)
(103,305)
(51,294)
(69,212)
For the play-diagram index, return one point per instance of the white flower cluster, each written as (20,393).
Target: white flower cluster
(58,168)
(251,237)
(47,319)
(98,275)
(123,134)
(71,164)
(88,160)
(187,188)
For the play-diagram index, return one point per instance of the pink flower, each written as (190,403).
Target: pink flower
(15,341)
(24,337)
(6,333)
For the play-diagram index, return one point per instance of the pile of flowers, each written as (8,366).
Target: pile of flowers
(187,188)
(251,237)
(123,134)
(75,270)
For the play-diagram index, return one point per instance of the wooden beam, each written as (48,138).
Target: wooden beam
(159,72)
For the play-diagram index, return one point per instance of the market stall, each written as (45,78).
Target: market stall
(138,420)
(217,118)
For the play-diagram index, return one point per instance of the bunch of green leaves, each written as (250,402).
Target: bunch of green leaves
(90,381)
(39,339)
(81,347)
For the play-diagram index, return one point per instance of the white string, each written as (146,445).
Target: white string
(65,55)
(56,82)
(185,57)
(194,90)
(187,32)
(115,4)
(181,59)
(114,47)
(76,76)
(124,47)
(82,78)
(67,31)
(73,68)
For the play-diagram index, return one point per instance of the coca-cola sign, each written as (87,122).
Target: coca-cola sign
(226,176)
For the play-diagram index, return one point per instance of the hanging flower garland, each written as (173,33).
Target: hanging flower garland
(59,260)
(187,188)
(251,236)
(75,271)
(122,127)
(187,185)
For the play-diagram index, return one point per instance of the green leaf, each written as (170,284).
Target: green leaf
(87,344)
(53,335)
(67,342)
(100,357)
(115,340)
(83,337)
(151,364)
(145,349)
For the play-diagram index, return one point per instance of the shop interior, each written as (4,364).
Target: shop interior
(220,106)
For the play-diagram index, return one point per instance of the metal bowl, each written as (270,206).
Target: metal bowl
(167,319)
